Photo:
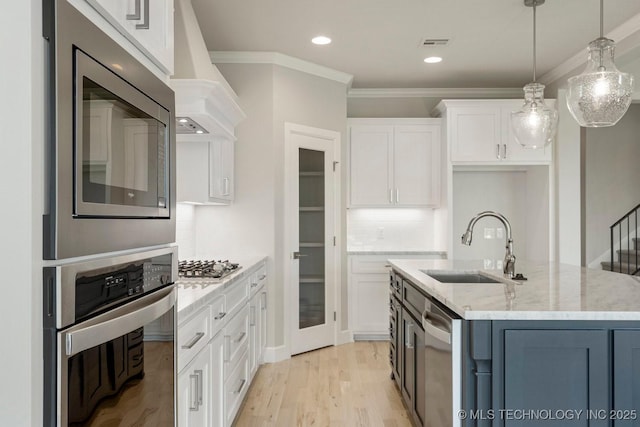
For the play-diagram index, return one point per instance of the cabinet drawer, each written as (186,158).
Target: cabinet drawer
(193,335)
(258,279)
(218,314)
(412,299)
(236,335)
(236,295)
(235,388)
(370,265)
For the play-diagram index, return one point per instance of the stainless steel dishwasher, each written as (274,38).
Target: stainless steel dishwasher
(443,365)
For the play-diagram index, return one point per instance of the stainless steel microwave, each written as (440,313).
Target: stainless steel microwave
(111,144)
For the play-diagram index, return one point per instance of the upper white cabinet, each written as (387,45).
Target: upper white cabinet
(394,162)
(205,171)
(479,131)
(148,24)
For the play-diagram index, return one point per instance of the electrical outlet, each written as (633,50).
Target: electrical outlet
(489,233)
(380,233)
(499,264)
(488,264)
(499,233)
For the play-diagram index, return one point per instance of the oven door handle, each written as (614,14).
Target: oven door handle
(118,322)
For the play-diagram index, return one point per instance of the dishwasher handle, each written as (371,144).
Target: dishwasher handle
(430,326)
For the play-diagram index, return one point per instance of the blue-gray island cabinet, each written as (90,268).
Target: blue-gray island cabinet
(561,349)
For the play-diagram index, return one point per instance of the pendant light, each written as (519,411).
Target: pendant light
(601,95)
(534,125)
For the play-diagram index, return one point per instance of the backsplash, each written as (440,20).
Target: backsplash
(392,229)
(185,231)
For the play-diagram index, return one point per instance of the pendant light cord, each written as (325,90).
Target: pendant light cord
(534,40)
(601,18)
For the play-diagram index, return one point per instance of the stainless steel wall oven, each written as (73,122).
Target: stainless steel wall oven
(109,341)
(111,144)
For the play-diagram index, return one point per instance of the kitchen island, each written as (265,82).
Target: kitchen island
(561,348)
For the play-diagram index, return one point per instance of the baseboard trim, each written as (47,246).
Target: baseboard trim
(344,337)
(276,354)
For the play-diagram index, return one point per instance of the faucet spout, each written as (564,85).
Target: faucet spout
(509,267)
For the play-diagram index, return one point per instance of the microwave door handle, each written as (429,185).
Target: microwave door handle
(434,331)
(118,322)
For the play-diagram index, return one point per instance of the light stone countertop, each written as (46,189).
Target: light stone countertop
(441,254)
(552,291)
(196,293)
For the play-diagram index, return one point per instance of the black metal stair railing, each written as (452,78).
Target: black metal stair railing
(628,259)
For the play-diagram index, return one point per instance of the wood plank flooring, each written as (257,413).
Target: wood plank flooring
(347,385)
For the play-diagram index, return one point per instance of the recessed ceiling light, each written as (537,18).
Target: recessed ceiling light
(199,131)
(433,60)
(321,40)
(183,120)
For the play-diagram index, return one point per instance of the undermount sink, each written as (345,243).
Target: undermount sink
(453,276)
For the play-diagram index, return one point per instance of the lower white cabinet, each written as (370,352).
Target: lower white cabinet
(194,391)
(219,350)
(369,294)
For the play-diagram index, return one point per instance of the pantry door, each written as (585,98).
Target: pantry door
(312,250)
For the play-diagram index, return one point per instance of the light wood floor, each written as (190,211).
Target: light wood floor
(347,385)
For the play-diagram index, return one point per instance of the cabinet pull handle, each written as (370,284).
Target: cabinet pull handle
(227,348)
(220,316)
(391,195)
(262,277)
(264,301)
(505,151)
(253,316)
(135,16)
(253,285)
(242,335)
(409,338)
(226,186)
(242,383)
(198,336)
(200,383)
(193,392)
(145,19)
(498,151)
(397,195)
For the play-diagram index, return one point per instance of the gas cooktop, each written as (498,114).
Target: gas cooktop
(206,269)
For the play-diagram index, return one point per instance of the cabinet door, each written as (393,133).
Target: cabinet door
(253,335)
(475,133)
(397,340)
(148,24)
(369,165)
(626,375)
(556,370)
(408,354)
(194,382)
(369,304)
(262,325)
(221,170)
(511,150)
(416,165)
(217,381)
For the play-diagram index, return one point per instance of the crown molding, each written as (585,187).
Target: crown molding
(507,92)
(275,58)
(619,34)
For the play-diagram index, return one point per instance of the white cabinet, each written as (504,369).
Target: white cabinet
(479,131)
(205,171)
(147,24)
(194,391)
(394,162)
(257,319)
(369,294)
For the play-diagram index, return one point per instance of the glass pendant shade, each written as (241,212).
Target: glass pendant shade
(601,95)
(534,125)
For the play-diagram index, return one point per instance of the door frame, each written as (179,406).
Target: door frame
(291,129)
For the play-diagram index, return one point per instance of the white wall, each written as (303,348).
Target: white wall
(21,186)
(612,179)
(390,107)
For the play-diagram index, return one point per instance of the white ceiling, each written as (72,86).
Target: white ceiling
(378,41)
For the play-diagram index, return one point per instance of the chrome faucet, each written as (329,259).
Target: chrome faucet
(509,267)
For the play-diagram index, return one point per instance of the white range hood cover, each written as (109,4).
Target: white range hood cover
(202,93)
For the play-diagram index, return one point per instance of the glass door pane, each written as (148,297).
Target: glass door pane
(311,211)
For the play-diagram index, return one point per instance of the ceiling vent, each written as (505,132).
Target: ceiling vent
(434,42)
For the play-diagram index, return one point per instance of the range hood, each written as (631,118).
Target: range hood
(205,103)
